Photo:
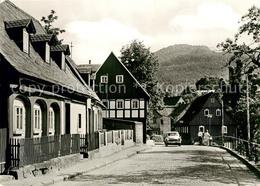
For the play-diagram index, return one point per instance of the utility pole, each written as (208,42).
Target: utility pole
(71,46)
(222,119)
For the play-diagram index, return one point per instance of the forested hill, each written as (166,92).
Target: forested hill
(186,63)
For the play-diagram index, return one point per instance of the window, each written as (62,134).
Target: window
(201,129)
(47,52)
(119,79)
(135,104)
(224,129)
(120,104)
(112,104)
(19,117)
(142,103)
(25,41)
(218,112)
(37,118)
(206,112)
(127,104)
(161,121)
(79,121)
(212,100)
(51,120)
(104,79)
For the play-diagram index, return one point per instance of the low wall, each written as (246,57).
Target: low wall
(45,167)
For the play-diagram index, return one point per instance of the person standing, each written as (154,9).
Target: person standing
(200,136)
(206,138)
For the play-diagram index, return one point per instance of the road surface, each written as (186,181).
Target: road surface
(185,165)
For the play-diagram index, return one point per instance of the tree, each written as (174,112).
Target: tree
(48,25)
(244,49)
(208,83)
(143,64)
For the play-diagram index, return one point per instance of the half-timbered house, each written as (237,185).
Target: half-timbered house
(119,91)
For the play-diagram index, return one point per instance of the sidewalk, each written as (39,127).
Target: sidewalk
(80,168)
(250,164)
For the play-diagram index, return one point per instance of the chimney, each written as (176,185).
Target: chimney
(89,61)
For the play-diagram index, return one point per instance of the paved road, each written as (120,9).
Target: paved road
(186,165)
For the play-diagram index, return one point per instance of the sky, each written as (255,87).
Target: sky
(97,27)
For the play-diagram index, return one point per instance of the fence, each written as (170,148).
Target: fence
(3,146)
(243,147)
(35,150)
(26,151)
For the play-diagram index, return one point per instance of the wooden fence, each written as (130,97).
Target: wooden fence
(35,150)
(3,146)
(26,151)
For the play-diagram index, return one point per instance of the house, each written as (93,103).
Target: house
(204,113)
(42,93)
(120,92)
(88,71)
(162,119)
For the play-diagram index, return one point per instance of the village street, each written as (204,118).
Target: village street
(186,165)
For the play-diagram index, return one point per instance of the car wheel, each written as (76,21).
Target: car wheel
(166,145)
(179,144)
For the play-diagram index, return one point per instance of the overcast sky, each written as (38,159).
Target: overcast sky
(97,27)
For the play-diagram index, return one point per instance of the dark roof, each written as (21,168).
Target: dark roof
(88,68)
(61,48)
(194,108)
(171,101)
(43,38)
(33,65)
(113,58)
(21,23)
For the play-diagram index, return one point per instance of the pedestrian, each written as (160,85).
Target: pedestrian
(206,138)
(200,136)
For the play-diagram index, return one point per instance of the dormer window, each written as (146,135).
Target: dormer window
(58,54)
(26,45)
(19,31)
(41,43)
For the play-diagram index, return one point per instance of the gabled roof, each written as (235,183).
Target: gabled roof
(21,23)
(43,38)
(88,68)
(114,58)
(194,108)
(61,48)
(33,65)
(171,101)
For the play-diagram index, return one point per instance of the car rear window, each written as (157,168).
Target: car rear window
(173,134)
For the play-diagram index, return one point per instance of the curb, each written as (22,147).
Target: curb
(252,167)
(103,164)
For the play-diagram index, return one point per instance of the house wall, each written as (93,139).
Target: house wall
(213,125)
(165,124)
(76,109)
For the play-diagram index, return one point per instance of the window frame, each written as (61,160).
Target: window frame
(79,121)
(26,41)
(218,112)
(132,104)
(47,53)
(206,110)
(120,101)
(117,78)
(37,118)
(101,79)
(51,120)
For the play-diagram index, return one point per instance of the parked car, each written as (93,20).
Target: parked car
(172,138)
